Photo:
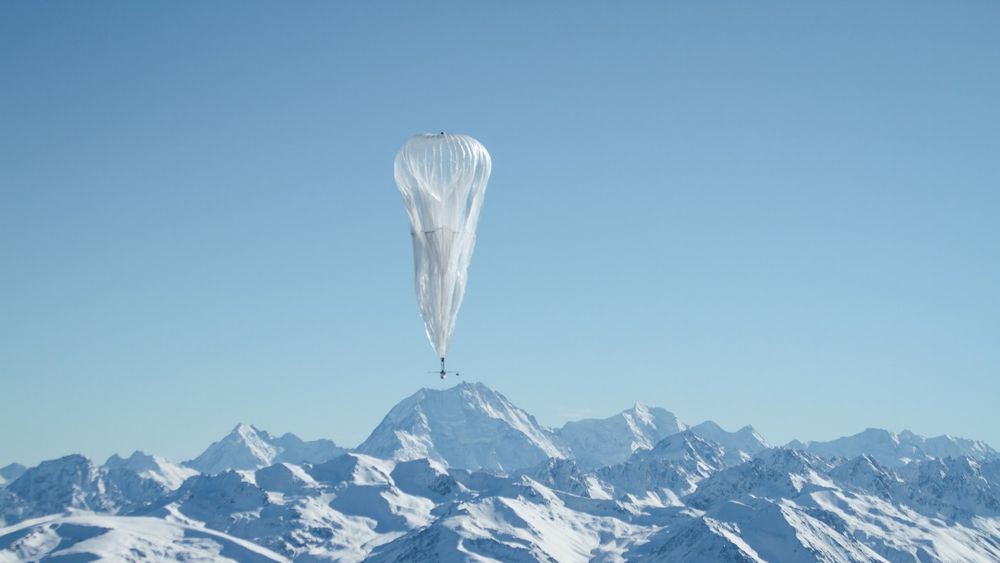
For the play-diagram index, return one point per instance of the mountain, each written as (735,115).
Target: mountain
(524,522)
(786,505)
(783,505)
(757,531)
(606,441)
(740,445)
(248,448)
(425,478)
(699,540)
(948,446)
(896,450)
(566,475)
(10,472)
(951,488)
(152,467)
(292,449)
(73,482)
(336,510)
(866,475)
(673,468)
(776,473)
(216,501)
(285,478)
(468,426)
(91,537)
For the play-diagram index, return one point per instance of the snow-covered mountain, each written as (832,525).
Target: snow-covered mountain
(740,445)
(336,510)
(673,468)
(10,472)
(952,488)
(606,441)
(949,446)
(895,450)
(786,505)
(778,473)
(700,494)
(248,448)
(523,522)
(73,482)
(566,475)
(152,467)
(468,426)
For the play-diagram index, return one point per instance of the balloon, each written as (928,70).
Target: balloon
(442,179)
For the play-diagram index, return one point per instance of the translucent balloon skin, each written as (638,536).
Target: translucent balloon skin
(442,179)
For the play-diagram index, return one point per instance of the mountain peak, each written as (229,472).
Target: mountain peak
(67,472)
(468,426)
(247,447)
(152,467)
(680,445)
(643,414)
(879,434)
(866,473)
(137,457)
(745,440)
(250,435)
(244,429)
(10,472)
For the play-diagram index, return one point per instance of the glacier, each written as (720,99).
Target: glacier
(462,474)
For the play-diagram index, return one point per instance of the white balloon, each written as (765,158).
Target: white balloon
(442,178)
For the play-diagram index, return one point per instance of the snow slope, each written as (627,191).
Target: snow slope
(527,522)
(86,537)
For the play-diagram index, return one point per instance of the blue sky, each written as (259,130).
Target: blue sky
(783,214)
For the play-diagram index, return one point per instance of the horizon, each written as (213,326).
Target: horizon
(782,215)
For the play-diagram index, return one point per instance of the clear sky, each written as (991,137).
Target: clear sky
(777,213)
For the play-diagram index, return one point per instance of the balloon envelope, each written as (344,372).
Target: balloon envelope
(442,179)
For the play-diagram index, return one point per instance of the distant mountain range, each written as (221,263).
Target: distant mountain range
(462,474)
